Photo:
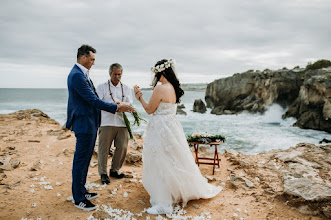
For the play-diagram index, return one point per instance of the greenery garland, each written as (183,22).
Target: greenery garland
(205,138)
(137,119)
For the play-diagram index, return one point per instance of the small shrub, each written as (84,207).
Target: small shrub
(318,64)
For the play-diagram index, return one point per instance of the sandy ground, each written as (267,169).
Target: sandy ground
(44,192)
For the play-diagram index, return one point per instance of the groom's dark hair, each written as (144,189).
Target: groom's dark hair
(84,50)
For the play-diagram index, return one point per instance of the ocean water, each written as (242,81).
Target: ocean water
(249,133)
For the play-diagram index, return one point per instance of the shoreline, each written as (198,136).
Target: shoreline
(38,158)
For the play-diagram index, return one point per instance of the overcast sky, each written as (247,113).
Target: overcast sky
(209,39)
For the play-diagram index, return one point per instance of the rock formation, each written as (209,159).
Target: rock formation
(180,110)
(307,93)
(312,107)
(300,176)
(199,106)
(252,91)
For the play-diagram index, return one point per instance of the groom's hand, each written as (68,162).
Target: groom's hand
(124,107)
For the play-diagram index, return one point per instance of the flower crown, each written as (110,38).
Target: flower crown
(163,66)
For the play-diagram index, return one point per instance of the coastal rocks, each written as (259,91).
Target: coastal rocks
(306,92)
(15,163)
(252,91)
(300,175)
(100,214)
(199,106)
(33,114)
(59,133)
(312,108)
(5,163)
(55,132)
(36,166)
(180,110)
(238,181)
(133,158)
(65,136)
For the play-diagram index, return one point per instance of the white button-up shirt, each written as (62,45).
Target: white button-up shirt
(84,69)
(109,119)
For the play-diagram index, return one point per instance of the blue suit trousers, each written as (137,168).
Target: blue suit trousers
(84,149)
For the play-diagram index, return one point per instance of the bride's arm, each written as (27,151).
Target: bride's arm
(154,101)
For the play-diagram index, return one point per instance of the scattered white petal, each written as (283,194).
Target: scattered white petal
(125,195)
(228,178)
(120,185)
(32,190)
(245,211)
(217,170)
(48,187)
(44,183)
(53,160)
(47,146)
(32,185)
(223,183)
(58,183)
(241,174)
(140,181)
(61,163)
(70,198)
(58,194)
(33,205)
(235,214)
(238,209)
(36,178)
(114,192)
(257,178)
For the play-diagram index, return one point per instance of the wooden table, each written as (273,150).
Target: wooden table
(215,160)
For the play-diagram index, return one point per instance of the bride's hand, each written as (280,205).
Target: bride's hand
(137,92)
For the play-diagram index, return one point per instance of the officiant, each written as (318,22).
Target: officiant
(113,128)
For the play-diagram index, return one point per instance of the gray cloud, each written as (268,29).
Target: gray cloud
(205,37)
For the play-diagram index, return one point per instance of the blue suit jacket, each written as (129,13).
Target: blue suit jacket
(83,111)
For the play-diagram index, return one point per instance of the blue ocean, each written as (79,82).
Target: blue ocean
(249,133)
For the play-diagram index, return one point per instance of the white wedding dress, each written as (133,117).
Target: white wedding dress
(170,174)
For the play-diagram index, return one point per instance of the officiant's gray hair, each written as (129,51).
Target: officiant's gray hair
(115,65)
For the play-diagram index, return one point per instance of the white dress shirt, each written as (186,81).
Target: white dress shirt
(109,119)
(84,70)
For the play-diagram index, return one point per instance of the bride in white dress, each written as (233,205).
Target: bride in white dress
(170,174)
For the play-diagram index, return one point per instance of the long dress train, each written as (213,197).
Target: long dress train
(170,174)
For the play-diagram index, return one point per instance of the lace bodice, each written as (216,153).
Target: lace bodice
(165,108)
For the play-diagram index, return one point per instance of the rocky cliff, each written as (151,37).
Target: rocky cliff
(306,92)
(312,107)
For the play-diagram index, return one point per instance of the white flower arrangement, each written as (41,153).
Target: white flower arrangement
(163,66)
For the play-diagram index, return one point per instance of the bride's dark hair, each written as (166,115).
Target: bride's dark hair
(170,75)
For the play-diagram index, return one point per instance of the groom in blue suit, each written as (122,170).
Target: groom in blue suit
(83,117)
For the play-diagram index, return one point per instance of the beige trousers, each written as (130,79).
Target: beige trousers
(108,134)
